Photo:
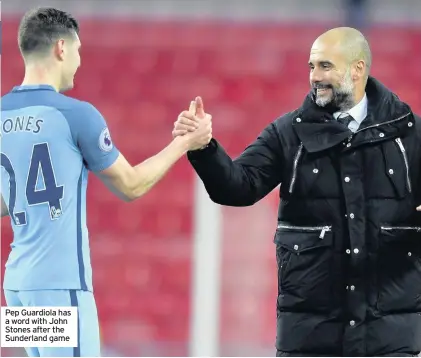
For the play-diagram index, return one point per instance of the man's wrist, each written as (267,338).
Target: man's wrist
(204,147)
(204,151)
(200,149)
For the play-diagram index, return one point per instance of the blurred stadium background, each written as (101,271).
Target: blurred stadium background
(174,274)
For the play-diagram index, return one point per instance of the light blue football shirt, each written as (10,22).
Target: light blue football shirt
(49,141)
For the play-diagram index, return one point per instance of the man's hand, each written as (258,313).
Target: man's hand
(186,121)
(200,109)
(185,124)
(194,125)
(419,208)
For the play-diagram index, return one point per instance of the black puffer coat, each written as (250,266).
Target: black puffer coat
(348,239)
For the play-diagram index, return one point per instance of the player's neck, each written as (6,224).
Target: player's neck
(39,75)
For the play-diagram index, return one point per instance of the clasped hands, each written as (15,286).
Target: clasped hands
(194,125)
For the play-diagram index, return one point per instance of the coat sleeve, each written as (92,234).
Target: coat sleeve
(417,171)
(245,180)
(418,129)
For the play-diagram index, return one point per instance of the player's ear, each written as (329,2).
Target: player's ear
(59,49)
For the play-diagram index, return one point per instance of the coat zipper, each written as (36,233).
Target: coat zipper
(416,228)
(300,150)
(294,170)
(384,123)
(378,125)
(322,229)
(405,158)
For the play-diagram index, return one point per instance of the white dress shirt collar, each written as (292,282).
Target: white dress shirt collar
(358,112)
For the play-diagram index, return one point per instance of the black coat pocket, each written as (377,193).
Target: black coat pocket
(304,256)
(399,269)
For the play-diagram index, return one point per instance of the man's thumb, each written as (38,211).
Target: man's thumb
(193,107)
(200,109)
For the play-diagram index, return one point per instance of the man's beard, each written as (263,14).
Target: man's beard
(341,98)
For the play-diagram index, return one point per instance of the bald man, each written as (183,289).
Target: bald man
(348,237)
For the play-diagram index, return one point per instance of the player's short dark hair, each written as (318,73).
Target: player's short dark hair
(41,27)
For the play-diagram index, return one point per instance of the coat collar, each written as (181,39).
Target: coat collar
(387,117)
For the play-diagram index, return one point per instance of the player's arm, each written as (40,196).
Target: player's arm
(4,210)
(103,158)
(130,183)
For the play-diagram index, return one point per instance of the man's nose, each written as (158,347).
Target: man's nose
(316,76)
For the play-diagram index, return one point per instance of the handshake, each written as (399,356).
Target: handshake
(194,126)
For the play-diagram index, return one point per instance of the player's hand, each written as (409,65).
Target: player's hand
(199,130)
(186,121)
(202,135)
(419,208)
